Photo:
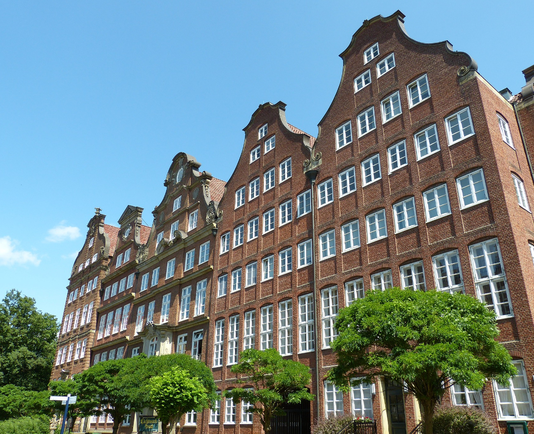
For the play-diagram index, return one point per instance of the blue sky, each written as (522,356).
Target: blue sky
(96,97)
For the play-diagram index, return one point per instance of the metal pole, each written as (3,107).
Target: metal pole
(65,415)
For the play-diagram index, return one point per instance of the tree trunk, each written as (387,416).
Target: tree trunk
(428,414)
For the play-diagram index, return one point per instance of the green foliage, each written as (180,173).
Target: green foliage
(27,343)
(176,392)
(16,402)
(421,339)
(332,424)
(275,381)
(462,420)
(25,425)
(63,388)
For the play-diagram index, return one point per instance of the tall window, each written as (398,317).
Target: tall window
(285,327)
(267,268)
(186,303)
(193,220)
(215,412)
(109,322)
(413,276)
(262,131)
(418,90)
(286,212)
(177,203)
(371,170)
(196,345)
(327,244)
(165,308)
(253,228)
(285,170)
(436,202)
(225,242)
(513,399)
(240,197)
(385,65)
(236,280)
(305,253)
(155,276)
(174,227)
(171,265)
(363,80)
(254,189)
(189,260)
(391,107)
(266,331)
(376,226)
(397,156)
(505,131)
(404,213)
(366,121)
(268,179)
(150,312)
(351,235)
(490,278)
(329,310)
(333,398)
(268,221)
(229,414)
(426,142)
(520,192)
(218,346)
(200,297)
(448,272)
(250,330)
(306,324)
(382,280)
(246,413)
(459,126)
(353,291)
(285,261)
(361,397)
(233,339)
(270,143)
(304,203)
(139,319)
(144,282)
(344,135)
(326,192)
(251,272)
(255,154)
(239,234)
(222,285)
(117,322)
(204,253)
(472,189)
(347,181)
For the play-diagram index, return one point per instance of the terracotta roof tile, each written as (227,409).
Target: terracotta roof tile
(113,233)
(217,189)
(299,131)
(145,232)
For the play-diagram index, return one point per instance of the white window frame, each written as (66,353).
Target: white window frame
(305,253)
(518,383)
(215,411)
(327,243)
(150,312)
(405,215)
(239,236)
(139,319)
(329,311)
(193,220)
(464,397)
(371,170)
(363,80)
(354,290)
(251,271)
(459,126)
(249,331)
(520,192)
(306,324)
(413,276)
(181,344)
(325,192)
(391,107)
(225,243)
(237,276)
(285,327)
(350,233)
(370,53)
(448,272)
(285,213)
(347,181)
(333,400)
(117,321)
(376,225)
(382,280)
(253,189)
(385,65)
(286,170)
(253,228)
(240,197)
(233,340)
(418,90)
(262,131)
(270,144)
(267,268)
(506,134)
(196,344)
(177,203)
(269,179)
(171,268)
(204,253)
(266,327)
(361,400)
(185,303)
(471,187)
(218,346)
(144,282)
(222,287)
(366,121)
(200,297)
(165,308)
(432,197)
(255,154)
(268,220)
(397,156)
(155,277)
(229,410)
(285,261)
(304,203)
(247,417)
(344,135)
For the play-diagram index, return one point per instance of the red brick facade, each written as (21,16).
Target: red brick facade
(420,177)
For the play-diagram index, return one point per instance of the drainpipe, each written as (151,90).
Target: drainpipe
(523,140)
(312,176)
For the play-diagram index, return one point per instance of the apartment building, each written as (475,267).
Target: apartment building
(420,177)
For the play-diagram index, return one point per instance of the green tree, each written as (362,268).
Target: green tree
(18,402)
(25,425)
(27,343)
(174,393)
(426,340)
(275,381)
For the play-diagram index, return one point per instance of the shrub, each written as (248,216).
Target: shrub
(332,425)
(25,425)
(462,420)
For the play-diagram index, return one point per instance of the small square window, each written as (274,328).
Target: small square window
(253,228)
(262,131)
(255,154)
(347,182)
(376,226)
(371,170)
(371,53)
(327,243)
(426,142)
(459,126)
(391,107)
(286,212)
(238,235)
(366,121)
(344,135)
(270,144)
(254,189)
(404,214)
(268,179)
(418,90)
(472,189)
(304,203)
(397,157)
(326,192)
(351,235)
(285,170)
(413,276)
(268,221)
(363,80)
(385,65)
(382,280)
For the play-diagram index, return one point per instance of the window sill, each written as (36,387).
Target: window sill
(437,218)
(347,194)
(338,148)
(300,267)
(367,132)
(473,204)
(459,140)
(385,121)
(427,155)
(400,231)
(375,240)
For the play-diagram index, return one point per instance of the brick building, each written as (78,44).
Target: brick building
(420,177)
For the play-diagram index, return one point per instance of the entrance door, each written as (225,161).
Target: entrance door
(395,407)
(297,420)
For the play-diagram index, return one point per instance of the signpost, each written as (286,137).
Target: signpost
(65,400)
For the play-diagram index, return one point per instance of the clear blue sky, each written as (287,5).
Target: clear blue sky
(96,97)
